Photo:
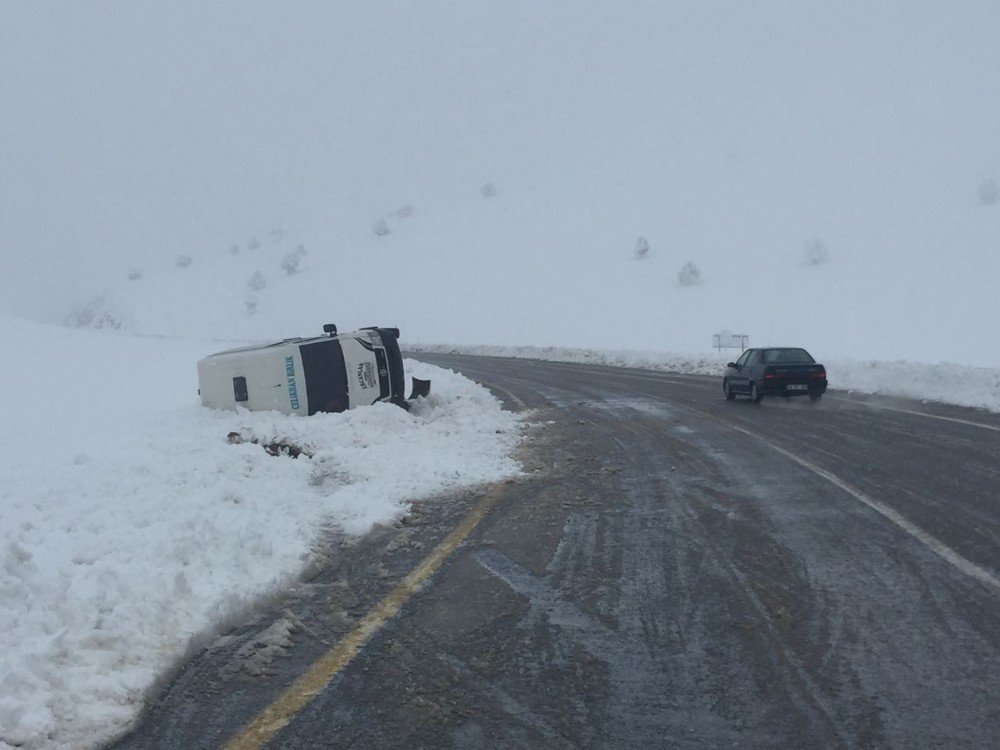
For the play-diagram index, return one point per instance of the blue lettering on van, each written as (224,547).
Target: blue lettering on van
(293,391)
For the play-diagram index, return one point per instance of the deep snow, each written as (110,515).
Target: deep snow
(132,527)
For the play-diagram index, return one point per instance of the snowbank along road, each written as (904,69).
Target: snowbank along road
(674,571)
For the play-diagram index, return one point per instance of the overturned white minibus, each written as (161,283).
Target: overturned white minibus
(328,373)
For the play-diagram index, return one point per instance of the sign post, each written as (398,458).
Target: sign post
(727,340)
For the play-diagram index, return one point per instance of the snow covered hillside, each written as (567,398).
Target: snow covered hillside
(132,527)
(555,174)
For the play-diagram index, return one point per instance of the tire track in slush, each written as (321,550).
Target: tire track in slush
(962,564)
(797,678)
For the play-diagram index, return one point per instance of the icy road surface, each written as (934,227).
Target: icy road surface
(677,571)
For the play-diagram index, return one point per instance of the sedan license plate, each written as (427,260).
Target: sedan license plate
(797,387)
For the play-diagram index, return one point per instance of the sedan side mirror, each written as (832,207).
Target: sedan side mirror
(731,364)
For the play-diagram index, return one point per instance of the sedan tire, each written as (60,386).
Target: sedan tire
(728,390)
(755,395)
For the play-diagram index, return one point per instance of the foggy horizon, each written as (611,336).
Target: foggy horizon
(727,136)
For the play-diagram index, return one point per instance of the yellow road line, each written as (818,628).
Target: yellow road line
(296,696)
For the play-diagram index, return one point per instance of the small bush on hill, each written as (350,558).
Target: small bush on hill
(256,281)
(641,248)
(290,263)
(96,313)
(815,252)
(689,275)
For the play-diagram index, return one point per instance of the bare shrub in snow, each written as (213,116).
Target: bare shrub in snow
(989,192)
(234,249)
(251,305)
(96,313)
(134,274)
(689,275)
(641,248)
(256,281)
(488,190)
(381,227)
(277,235)
(405,212)
(815,253)
(290,263)
(253,244)
(183,261)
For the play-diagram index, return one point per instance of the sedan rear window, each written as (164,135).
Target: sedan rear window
(788,357)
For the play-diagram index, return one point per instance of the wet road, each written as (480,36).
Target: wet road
(674,571)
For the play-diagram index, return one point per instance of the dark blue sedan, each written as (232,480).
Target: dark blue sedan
(774,371)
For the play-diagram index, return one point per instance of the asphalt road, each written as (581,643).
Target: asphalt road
(674,570)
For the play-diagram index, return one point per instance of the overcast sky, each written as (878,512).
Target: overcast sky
(131,129)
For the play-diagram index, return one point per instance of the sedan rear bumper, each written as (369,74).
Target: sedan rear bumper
(793,388)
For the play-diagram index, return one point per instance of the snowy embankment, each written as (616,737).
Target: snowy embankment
(132,528)
(962,385)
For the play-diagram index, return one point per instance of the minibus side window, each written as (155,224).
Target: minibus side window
(240,389)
